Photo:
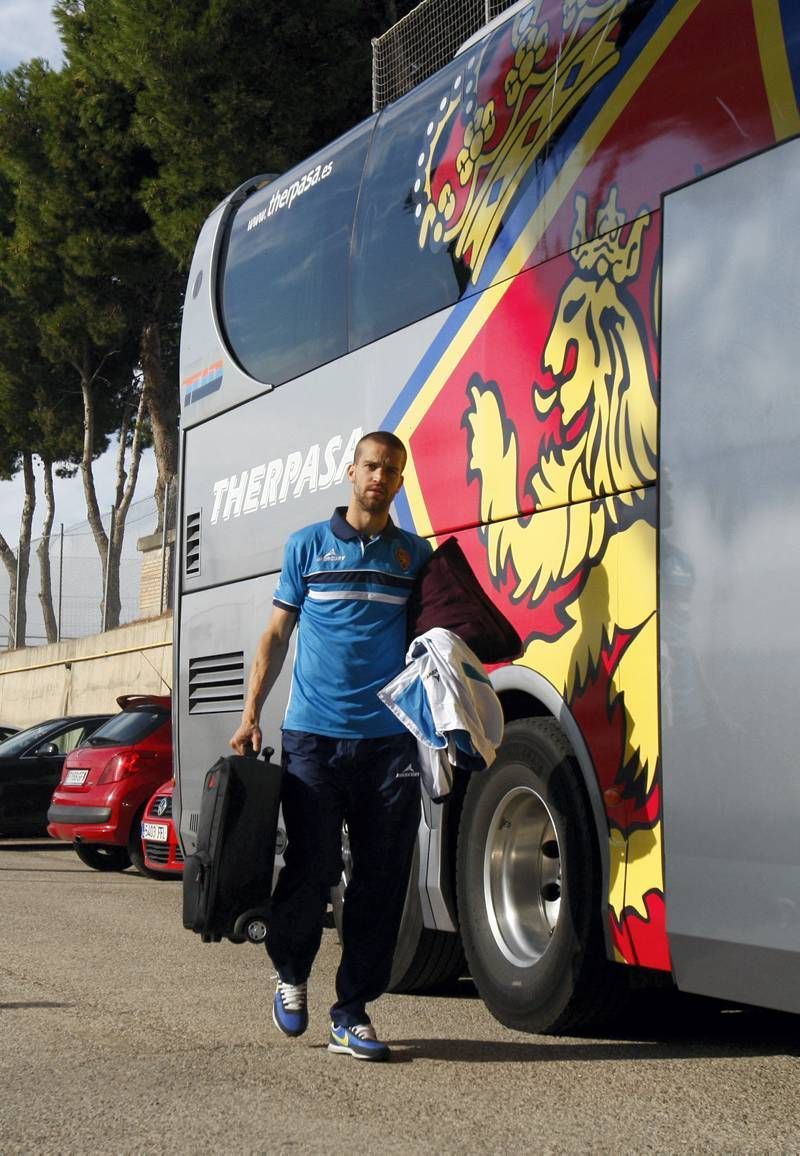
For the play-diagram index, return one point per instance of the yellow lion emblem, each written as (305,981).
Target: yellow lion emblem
(591,527)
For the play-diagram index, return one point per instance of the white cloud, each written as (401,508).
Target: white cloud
(27,29)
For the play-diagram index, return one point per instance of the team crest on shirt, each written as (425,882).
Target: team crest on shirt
(402,557)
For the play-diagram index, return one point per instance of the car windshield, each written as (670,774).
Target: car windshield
(130,726)
(24,739)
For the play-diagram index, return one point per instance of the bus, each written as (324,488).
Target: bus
(564,270)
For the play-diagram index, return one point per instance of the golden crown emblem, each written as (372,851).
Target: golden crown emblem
(494,132)
(612,251)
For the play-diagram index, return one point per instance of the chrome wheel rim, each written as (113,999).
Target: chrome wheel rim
(256,931)
(522,876)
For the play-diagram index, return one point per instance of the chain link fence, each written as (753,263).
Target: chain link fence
(77,579)
(424,41)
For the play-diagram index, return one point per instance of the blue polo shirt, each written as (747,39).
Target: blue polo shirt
(350,595)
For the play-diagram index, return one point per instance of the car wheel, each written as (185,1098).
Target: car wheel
(528,882)
(102,857)
(423,958)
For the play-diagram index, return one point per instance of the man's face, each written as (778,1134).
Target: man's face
(377,475)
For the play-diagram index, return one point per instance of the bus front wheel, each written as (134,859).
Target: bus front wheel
(528,880)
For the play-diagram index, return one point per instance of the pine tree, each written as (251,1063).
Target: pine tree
(63,257)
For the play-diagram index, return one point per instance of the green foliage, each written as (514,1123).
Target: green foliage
(226,89)
(35,413)
(109,166)
(60,255)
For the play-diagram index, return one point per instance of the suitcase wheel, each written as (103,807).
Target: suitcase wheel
(250,926)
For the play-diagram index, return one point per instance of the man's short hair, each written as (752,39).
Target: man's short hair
(383,437)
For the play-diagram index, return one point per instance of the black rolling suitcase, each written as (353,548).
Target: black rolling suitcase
(227,882)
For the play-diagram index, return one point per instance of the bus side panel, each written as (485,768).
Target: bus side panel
(595,644)
(729,580)
(258,472)
(545,393)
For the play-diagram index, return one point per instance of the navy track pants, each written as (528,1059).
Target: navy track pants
(373,785)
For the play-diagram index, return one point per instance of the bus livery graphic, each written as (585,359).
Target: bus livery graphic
(498,138)
(596,355)
(206,381)
(500,180)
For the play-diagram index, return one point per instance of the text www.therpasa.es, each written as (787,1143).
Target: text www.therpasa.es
(285,197)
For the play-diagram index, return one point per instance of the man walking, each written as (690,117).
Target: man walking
(345,755)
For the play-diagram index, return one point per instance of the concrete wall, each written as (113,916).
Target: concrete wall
(86,674)
(155,580)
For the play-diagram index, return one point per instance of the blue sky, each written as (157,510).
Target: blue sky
(27,30)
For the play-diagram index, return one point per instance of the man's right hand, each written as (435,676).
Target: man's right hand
(267,663)
(247,739)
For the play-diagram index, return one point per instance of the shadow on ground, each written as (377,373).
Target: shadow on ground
(657,1024)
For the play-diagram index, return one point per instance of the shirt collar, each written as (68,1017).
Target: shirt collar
(347,533)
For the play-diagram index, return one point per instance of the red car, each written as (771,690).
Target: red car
(160,844)
(107,783)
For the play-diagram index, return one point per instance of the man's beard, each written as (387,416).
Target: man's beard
(373,503)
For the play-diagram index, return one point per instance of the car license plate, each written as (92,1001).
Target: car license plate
(155,831)
(76,777)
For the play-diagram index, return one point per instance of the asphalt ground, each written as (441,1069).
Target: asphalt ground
(123,1033)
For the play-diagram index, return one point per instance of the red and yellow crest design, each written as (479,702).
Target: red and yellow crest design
(402,557)
(542,171)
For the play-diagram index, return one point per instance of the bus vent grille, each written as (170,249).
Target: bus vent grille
(194,821)
(192,563)
(216,683)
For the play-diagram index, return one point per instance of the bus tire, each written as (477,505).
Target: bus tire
(423,958)
(528,882)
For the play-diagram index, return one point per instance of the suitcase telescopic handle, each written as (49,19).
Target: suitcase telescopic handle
(266,754)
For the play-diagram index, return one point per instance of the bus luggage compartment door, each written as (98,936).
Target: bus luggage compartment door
(729,577)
